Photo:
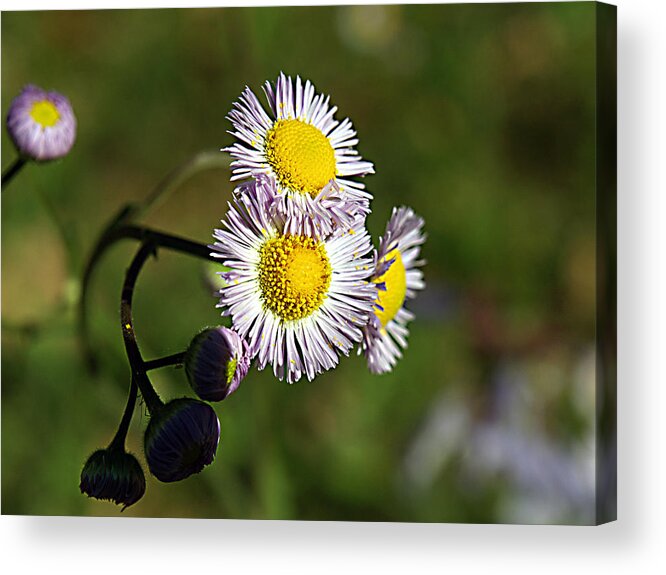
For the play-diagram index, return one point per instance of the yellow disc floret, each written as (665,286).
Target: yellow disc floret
(301,156)
(396,287)
(294,276)
(45,113)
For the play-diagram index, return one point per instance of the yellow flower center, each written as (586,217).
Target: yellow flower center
(300,155)
(294,276)
(396,287)
(45,113)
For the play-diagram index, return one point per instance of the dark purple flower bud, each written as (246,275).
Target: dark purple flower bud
(216,362)
(112,474)
(41,124)
(181,439)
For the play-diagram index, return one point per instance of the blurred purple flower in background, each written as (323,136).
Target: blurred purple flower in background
(41,124)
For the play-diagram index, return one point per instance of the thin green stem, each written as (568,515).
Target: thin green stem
(201,162)
(65,233)
(12,170)
(104,242)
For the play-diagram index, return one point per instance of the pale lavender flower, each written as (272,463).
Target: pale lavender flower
(41,124)
(298,144)
(398,278)
(299,300)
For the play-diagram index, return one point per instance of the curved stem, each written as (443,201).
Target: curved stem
(199,163)
(12,170)
(114,233)
(173,359)
(104,242)
(131,346)
(118,440)
(164,240)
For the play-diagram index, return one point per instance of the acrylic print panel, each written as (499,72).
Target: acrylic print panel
(365,270)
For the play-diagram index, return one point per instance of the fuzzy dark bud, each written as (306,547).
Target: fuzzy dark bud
(216,362)
(181,439)
(112,474)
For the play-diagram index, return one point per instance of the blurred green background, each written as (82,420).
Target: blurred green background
(480,117)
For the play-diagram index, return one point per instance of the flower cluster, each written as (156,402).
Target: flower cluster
(304,285)
(182,435)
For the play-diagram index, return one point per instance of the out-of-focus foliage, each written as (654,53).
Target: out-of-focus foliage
(480,117)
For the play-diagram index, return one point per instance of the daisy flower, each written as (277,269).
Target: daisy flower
(41,124)
(397,276)
(300,301)
(299,144)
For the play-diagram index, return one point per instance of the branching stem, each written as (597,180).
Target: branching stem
(136,362)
